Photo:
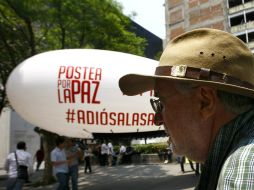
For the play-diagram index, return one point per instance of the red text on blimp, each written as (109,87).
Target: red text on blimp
(90,117)
(78,83)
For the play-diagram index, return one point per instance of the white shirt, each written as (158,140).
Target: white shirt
(87,152)
(58,154)
(24,158)
(104,149)
(122,149)
(110,148)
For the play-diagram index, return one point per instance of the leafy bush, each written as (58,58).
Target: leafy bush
(150,148)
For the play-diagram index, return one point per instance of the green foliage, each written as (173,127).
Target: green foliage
(116,148)
(150,148)
(146,148)
(158,55)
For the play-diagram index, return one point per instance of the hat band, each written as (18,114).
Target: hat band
(183,71)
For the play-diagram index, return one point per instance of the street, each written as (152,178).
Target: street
(130,177)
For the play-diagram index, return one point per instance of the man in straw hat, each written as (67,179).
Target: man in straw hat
(204,86)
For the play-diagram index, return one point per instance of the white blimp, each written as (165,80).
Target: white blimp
(75,92)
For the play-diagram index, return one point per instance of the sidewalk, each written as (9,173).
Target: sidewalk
(129,177)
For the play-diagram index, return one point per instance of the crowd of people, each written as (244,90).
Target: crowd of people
(107,155)
(66,158)
(66,155)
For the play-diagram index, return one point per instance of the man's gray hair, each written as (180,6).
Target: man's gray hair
(234,103)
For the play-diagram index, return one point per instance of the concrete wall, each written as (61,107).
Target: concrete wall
(14,129)
(23,131)
(146,159)
(4,134)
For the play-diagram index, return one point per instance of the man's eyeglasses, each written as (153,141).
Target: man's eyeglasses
(156,105)
(157,108)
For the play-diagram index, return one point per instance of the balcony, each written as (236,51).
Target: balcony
(241,7)
(242,27)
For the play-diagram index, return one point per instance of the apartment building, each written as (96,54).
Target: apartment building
(235,16)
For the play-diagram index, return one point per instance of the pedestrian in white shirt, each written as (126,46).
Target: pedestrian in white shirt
(60,164)
(87,156)
(122,152)
(104,153)
(22,158)
(110,153)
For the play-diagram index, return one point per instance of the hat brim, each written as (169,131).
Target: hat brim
(133,84)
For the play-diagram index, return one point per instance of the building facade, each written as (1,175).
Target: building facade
(14,129)
(235,16)
(154,44)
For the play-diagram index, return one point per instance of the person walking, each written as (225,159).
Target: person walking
(87,156)
(182,161)
(16,159)
(104,153)
(168,154)
(60,164)
(122,152)
(110,153)
(204,97)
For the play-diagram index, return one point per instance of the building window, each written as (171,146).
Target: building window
(238,20)
(250,17)
(246,1)
(251,36)
(233,3)
(242,37)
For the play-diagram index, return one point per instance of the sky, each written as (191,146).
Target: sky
(150,14)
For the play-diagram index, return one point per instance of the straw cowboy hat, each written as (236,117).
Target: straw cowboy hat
(207,57)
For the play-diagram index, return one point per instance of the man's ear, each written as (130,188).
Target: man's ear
(207,102)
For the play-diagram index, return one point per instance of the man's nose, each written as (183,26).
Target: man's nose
(158,120)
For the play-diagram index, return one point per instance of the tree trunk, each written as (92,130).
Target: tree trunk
(48,145)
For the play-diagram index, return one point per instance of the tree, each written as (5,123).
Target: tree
(30,27)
